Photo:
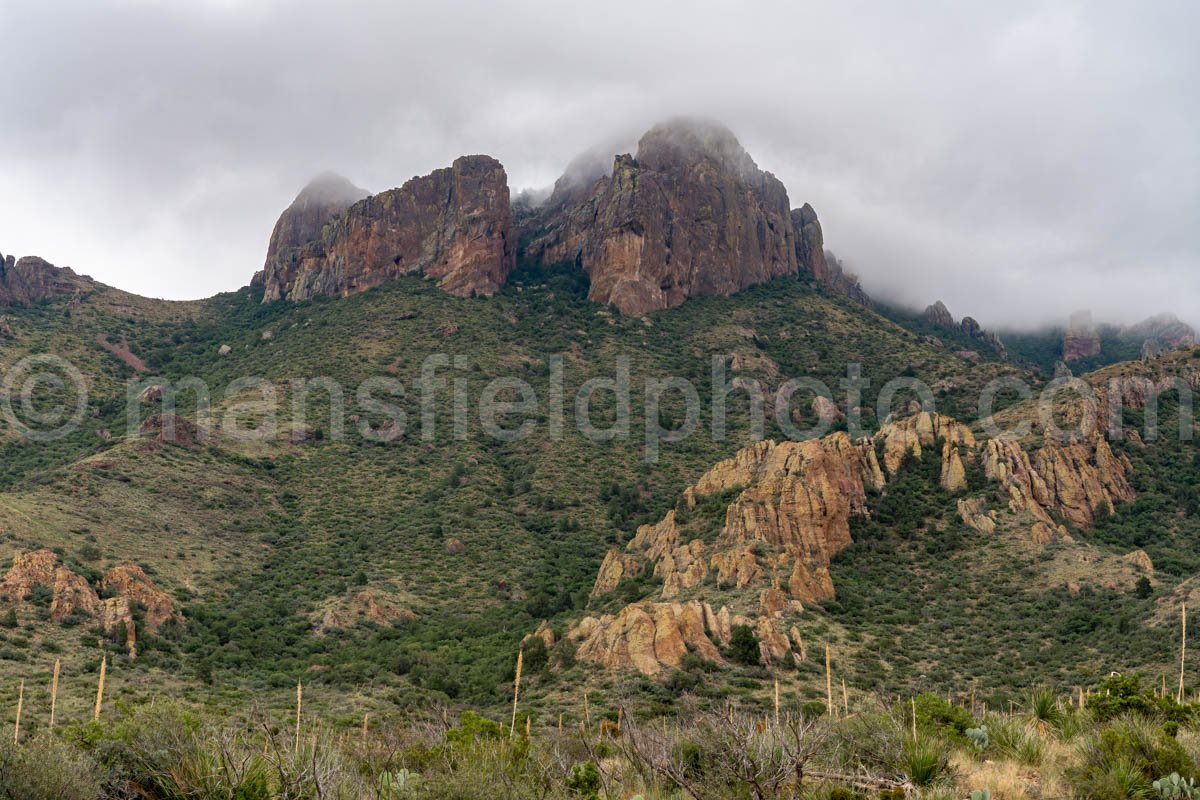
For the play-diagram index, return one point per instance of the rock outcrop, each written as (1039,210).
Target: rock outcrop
(1075,481)
(1081,339)
(824,266)
(453,226)
(791,515)
(126,588)
(317,205)
(939,316)
(691,214)
(363,606)
(32,280)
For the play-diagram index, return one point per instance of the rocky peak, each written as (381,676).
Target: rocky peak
(937,314)
(315,206)
(811,256)
(453,226)
(1162,333)
(681,144)
(32,280)
(1081,340)
(691,214)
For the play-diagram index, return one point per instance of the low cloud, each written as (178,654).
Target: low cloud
(1017,160)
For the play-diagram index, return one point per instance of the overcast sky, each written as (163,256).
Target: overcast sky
(1016,160)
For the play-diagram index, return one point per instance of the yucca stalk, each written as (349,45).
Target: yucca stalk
(512,729)
(829,683)
(299,707)
(776,701)
(20,706)
(366,723)
(1182,649)
(54,689)
(100,688)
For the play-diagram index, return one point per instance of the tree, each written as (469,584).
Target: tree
(1142,588)
(743,646)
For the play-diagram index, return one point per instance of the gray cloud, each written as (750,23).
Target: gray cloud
(1016,160)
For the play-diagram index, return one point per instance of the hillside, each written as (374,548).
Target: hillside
(263,487)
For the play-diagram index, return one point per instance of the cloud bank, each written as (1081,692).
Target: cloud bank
(1015,160)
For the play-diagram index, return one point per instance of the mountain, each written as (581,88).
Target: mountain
(268,485)
(1089,345)
(452,225)
(32,280)
(689,215)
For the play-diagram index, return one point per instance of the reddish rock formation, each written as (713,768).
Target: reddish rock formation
(1081,340)
(71,595)
(453,225)
(691,214)
(130,582)
(303,221)
(32,280)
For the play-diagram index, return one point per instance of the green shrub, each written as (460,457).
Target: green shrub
(47,769)
(743,646)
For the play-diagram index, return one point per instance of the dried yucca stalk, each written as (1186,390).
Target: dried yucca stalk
(20,706)
(512,729)
(829,683)
(54,689)
(100,688)
(299,706)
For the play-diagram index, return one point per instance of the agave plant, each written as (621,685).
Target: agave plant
(981,794)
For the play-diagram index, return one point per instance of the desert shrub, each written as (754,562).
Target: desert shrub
(45,768)
(1118,695)
(1123,758)
(743,646)
(936,715)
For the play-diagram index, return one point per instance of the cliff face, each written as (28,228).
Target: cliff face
(317,205)
(453,225)
(791,515)
(691,214)
(32,280)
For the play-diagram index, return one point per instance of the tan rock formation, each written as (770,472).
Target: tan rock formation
(792,516)
(71,595)
(616,567)
(366,605)
(647,637)
(971,511)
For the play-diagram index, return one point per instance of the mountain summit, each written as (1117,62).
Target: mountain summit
(691,214)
